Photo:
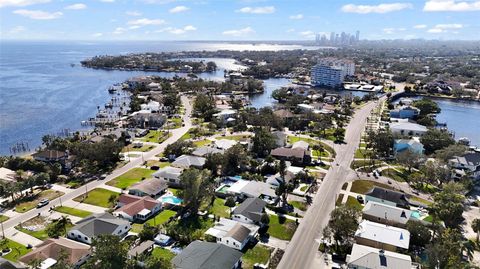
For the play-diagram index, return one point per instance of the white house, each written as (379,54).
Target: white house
(253,189)
(135,208)
(250,211)
(382,236)
(364,257)
(226,115)
(187,161)
(468,162)
(169,174)
(97,224)
(408,129)
(386,214)
(233,233)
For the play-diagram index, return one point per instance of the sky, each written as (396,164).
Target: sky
(237,19)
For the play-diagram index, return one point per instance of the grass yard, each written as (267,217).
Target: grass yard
(219,209)
(98,197)
(339,199)
(156,136)
(164,253)
(362,154)
(130,177)
(72,211)
(143,148)
(174,123)
(363,186)
(258,254)
(32,201)
(174,191)
(234,137)
(193,227)
(352,202)
(160,164)
(41,223)
(283,230)
(299,205)
(3,218)
(293,139)
(162,217)
(202,143)
(396,175)
(420,200)
(136,228)
(428,218)
(18,250)
(361,163)
(40,234)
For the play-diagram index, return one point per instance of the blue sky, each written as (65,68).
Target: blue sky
(237,19)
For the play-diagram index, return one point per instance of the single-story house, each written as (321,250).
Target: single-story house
(162,240)
(388,197)
(253,189)
(135,208)
(170,174)
(413,144)
(97,224)
(382,236)
(226,115)
(408,129)
(206,150)
(250,211)
(233,233)
(187,161)
(145,246)
(76,253)
(295,155)
(224,143)
(405,112)
(50,156)
(386,214)
(152,187)
(364,257)
(469,162)
(206,255)
(290,173)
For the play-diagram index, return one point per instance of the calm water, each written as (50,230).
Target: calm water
(42,93)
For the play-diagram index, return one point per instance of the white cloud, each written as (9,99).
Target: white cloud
(391,30)
(381,8)
(76,6)
(145,21)
(38,14)
(451,5)
(177,31)
(21,3)
(296,17)
(178,9)
(420,26)
(119,30)
(239,32)
(133,27)
(257,10)
(107,1)
(444,28)
(291,30)
(97,35)
(133,13)
(17,29)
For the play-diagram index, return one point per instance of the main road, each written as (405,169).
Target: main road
(302,250)
(176,134)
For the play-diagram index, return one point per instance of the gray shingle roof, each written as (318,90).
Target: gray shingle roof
(205,255)
(252,208)
(97,224)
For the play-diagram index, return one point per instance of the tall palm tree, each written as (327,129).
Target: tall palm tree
(63,223)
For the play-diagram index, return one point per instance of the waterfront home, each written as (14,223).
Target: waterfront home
(413,145)
(53,249)
(146,120)
(169,174)
(97,224)
(405,112)
(468,163)
(382,236)
(135,208)
(142,248)
(139,82)
(407,129)
(250,211)
(55,156)
(386,214)
(226,115)
(364,257)
(187,161)
(154,86)
(206,255)
(253,189)
(295,155)
(232,233)
(388,197)
(151,187)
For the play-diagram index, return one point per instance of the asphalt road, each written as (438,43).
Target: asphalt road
(176,134)
(302,251)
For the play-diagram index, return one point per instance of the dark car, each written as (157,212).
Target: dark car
(360,199)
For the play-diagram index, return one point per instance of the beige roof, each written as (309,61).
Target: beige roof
(53,248)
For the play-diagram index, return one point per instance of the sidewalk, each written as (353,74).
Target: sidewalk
(86,207)
(22,238)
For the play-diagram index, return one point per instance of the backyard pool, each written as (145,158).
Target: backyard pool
(173,200)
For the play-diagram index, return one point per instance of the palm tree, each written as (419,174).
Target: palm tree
(63,223)
(476,227)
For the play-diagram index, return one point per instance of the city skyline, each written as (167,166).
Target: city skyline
(237,20)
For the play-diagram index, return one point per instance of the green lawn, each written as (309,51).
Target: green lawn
(304,188)
(40,234)
(72,211)
(32,201)
(361,163)
(18,250)
(363,186)
(162,217)
(428,218)
(164,253)
(219,209)
(202,143)
(352,202)
(193,228)
(299,205)
(395,175)
(420,200)
(143,148)
(311,142)
(3,218)
(156,136)
(174,191)
(284,230)
(98,197)
(160,164)
(136,228)
(130,177)
(234,137)
(174,123)
(339,199)
(258,254)
(361,154)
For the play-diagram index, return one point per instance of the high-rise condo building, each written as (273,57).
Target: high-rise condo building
(331,72)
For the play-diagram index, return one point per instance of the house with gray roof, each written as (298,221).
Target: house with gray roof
(187,161)
(378,235)
(98,224)
(206,255)
(232,233)
(469,162)
(374,258)
(386,214)
(388,197)
(152,187)
(169,174)
(407,129)
(250,211)
(206,150)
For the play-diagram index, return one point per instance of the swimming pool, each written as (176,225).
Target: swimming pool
(416,214)
(173,200)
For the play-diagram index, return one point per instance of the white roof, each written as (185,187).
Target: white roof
(305,106)
(226,112)
(252,188)
(225,143)
(294,169)
(300,144)
(384,234)
(186,161)
(374,258)
(409,126)
(168,172)
(223,226)
(383,211)
(47,263)
(144,212)
(7,174)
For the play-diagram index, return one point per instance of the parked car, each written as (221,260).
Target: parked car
(43,203)
(360,199)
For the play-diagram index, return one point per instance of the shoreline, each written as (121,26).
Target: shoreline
(413,94)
